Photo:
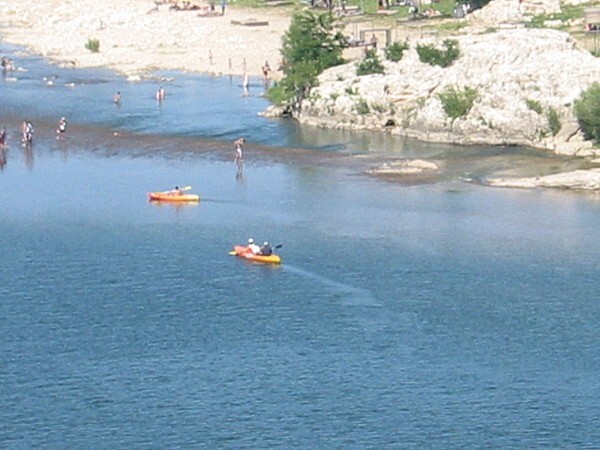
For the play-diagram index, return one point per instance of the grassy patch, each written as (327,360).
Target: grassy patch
(567,13)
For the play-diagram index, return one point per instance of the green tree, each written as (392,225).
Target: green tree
(313,43)
(587,111)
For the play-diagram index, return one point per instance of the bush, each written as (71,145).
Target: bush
(430,55)
(370,64)
(93,45)
(395,51)
(553,121)
(587,111)
(362,107)
(534,105)
(457,103)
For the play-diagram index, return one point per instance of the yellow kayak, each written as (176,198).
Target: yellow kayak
(170,197)
(244,252)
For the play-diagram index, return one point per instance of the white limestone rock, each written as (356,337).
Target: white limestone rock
(520,75)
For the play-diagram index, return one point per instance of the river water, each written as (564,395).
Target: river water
(439,314)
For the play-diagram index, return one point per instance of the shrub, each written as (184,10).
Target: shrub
(534,105)
(362,107)
(370,64)
(377,107)
(430,55)
(553,121)
(587,111)
(93,45)
(395,51)
(457,103)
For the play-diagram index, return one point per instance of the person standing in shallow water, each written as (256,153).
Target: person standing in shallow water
(160,94)
(3,137)
(27,133)
(62,128)
(117,98)
(239,150)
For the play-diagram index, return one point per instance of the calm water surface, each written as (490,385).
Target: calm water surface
(442,315)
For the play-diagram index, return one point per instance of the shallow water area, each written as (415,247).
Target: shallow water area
(438,315)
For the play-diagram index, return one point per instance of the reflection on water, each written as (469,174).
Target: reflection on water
(239,173)
(2,157)
(28,154)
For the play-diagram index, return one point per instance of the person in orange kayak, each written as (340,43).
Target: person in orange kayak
(176,191)
(255,249)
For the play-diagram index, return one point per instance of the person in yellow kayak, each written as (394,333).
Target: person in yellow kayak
(255,249)
(266,249)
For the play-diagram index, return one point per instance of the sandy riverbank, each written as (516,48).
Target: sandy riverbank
(136,36)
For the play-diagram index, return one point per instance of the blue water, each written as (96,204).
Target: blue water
(436,315)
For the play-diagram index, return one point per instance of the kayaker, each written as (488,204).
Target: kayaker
(266,249)
(255,249)
(176,191)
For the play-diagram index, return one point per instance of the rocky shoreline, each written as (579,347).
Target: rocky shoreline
(521,77)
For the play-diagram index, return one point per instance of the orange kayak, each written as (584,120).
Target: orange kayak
(168,197)
(244,252)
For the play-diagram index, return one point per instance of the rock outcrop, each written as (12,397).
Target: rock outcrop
(578,179)
(526,82)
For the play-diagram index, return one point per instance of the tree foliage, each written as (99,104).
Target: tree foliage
(313,43)
(587,111)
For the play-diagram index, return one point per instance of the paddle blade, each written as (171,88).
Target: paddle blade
(232,253)
(186,188)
